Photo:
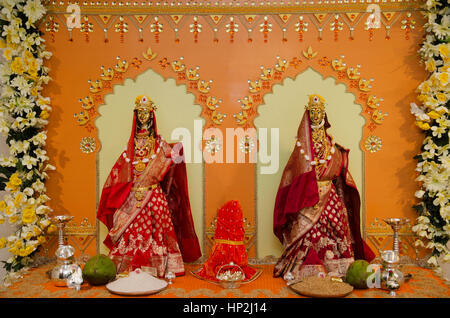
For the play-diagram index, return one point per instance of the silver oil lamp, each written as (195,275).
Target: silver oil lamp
(391,275)
(66,272)
(396,224)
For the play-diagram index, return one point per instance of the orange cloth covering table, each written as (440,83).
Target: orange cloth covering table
(36,284)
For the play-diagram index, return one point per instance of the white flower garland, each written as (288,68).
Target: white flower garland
(24,114)
(432,116)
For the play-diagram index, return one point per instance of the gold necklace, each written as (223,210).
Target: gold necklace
(142,152)
(319,142)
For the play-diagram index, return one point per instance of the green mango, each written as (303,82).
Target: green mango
(99,270)
(357,274)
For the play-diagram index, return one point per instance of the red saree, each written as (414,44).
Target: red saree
(148,217)
(317,213)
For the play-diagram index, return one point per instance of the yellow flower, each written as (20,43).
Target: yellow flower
(2,44)
(18,244)
(443,77)
(51,229)
(44,115)
(13,250)
(431,66)
(28,55)
(423,98)
(441,110)
(29,250)
(31,62)
(28,235)
(13,219)
(34,91)
(18,200)
(7,54)
(36,231)
(17,66)
(28,215)
(2,205)
(441,97)
(32,68)
(443,49)
(434,114)
(8,210)
(44,223)
(425,87)
(2,242)
(25,251)
(43,101)
(41,239)
(422,125)
(2,220)
(15,180)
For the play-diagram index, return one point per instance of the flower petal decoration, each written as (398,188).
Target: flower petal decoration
(432,117)
(373,143)
(24,115)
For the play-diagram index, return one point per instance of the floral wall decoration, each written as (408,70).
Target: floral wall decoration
(24,115)
(432,116)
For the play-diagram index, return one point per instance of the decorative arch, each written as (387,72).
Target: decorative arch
(337,68)
(289,97)
(129,69)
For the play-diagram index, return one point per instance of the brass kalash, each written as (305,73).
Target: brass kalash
(66,273)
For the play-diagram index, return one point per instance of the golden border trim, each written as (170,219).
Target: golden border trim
(239,10)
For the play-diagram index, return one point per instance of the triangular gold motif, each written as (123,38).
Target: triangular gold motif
(285,17)
(320,16)
(216,18)
(105,18)
(250,18)
(176,18)
(389,15)
(352,16)
(140,18)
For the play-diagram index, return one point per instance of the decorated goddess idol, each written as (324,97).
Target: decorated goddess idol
(317,208)
(145,203)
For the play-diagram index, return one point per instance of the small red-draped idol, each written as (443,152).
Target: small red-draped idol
(317,207)
(145,202)
(229,250)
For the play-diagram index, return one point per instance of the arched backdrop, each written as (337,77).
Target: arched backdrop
(227,57)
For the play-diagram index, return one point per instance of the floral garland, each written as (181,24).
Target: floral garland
(433,222)
(24,114)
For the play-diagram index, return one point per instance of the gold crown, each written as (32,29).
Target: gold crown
(316,100)
(143,101)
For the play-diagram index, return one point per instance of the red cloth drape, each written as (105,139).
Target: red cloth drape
(229,244)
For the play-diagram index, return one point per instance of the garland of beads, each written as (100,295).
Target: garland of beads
(315,162)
